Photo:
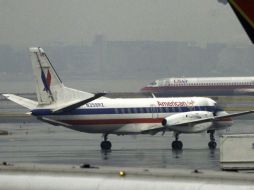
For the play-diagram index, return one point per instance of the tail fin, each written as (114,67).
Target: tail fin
(244,10)
(49,87)
(47,81)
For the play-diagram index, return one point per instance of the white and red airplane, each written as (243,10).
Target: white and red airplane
(212,86)
(94,113)
(202,86)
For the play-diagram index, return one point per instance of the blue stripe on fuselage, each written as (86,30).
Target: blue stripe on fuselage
(96,111)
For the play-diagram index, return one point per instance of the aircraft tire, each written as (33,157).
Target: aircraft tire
(212,145)
(106,145)
(177,145)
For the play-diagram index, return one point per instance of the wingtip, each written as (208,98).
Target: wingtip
(5,95)
(36,50)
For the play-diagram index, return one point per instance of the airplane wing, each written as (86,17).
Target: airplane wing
(215,118)
(75,104)
(30,104)
(197,121)
(234,114)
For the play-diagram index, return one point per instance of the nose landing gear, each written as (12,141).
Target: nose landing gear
(105,145)
(212,144)
(177,145)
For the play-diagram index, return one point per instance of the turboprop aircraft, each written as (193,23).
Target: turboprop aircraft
(95,113)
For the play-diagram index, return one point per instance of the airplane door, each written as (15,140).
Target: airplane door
(154,111)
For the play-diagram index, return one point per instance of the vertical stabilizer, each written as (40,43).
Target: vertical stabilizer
(49,87)
(47,81)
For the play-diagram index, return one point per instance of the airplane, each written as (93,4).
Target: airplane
(95,113)
(244,10)
(202,86)
(212,86)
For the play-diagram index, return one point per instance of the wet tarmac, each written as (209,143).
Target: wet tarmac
(42,143)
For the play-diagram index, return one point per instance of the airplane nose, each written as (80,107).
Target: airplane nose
(143,89)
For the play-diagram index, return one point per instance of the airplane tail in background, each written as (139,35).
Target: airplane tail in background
(244,10)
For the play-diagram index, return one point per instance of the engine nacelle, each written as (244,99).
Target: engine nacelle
(173,122)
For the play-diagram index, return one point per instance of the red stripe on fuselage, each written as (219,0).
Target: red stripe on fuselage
(112,121)
(231,87)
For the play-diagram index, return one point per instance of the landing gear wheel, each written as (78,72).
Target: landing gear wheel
(212,145)
(106,145)
(177,145)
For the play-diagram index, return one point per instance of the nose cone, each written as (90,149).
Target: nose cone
(150,89)
(144,89)
(211,102)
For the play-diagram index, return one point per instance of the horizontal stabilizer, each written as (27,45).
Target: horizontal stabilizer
(75,104)
(30,104)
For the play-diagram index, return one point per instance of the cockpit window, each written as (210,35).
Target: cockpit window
(153,83)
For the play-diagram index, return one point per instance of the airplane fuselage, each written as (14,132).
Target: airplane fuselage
(211,86)
(128,116)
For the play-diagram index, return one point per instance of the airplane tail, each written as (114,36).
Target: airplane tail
(48,83)
(51,93)
(244,10)
(49,87)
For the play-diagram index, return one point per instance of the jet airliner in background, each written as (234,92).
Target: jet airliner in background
(203,86)
(95,113)
(212,86)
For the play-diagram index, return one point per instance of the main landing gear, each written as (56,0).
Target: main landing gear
(105,145)
(177,145)
(212,144)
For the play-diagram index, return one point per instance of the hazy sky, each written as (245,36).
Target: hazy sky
(43,22)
